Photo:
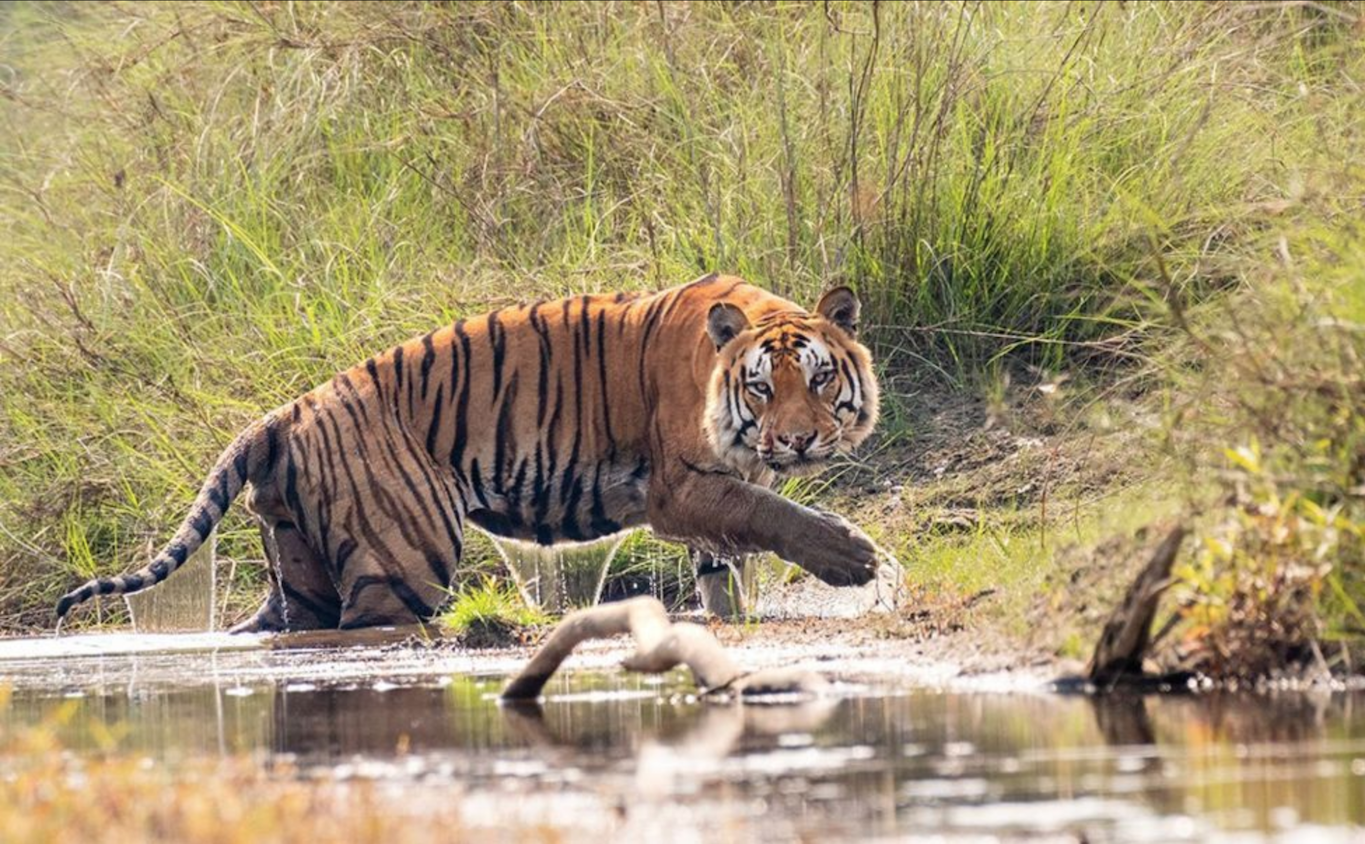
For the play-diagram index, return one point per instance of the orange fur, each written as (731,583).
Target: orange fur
(553,422)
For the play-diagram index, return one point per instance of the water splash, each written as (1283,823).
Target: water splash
(274,560)
(734,593)
(560,577)
(186,601)
(888,588)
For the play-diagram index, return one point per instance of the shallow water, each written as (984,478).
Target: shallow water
(621,757)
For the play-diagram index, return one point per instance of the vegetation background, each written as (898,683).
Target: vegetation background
(209,208)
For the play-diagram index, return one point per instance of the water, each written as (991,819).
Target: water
(560,577)
(184,602)
(611,756)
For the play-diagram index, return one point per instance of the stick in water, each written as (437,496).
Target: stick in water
(659,646)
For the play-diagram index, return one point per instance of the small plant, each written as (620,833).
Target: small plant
(1269,588)
(1279,579)
(491,614)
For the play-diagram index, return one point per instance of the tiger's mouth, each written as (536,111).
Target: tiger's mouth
(792,463)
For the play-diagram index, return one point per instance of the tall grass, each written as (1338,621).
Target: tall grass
(210,208)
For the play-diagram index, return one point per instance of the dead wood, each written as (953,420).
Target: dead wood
(1127,633)
(659,646)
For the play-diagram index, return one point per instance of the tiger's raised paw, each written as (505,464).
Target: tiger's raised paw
(836,551)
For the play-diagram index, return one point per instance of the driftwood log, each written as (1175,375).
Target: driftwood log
(660,645)
(1128,632)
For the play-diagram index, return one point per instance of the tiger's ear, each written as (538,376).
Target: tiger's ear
(841,307)
(724,322)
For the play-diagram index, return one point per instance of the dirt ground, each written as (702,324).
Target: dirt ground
(1028,462)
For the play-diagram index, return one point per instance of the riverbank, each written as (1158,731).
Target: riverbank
(1109,257)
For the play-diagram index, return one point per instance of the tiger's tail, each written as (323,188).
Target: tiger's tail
(250,457)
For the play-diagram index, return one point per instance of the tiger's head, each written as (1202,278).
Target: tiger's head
(792,390)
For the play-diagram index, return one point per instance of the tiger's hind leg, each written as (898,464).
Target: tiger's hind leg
(302,595)
(398,570)
(386,585)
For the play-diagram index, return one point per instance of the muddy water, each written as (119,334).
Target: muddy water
(609,756)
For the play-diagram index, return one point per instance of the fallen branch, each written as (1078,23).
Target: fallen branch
(659,646)
(1119,652)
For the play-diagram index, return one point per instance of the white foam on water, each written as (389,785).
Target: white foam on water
(124,643)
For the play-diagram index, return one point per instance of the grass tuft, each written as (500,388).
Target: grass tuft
(491,614)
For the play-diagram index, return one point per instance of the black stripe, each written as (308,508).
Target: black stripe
(200,522)
(371,368)
(498,342)
(552,437)
(543,378)
(476,480)
(569,524)
(411,600)
(439,569)
(428,358)
(585,324)
(602,525)
(602,381)
(567,486)
(272,449)
(396,508)
(365,526)
(327,614)
(462,407)
(504,439)
(365,581)
(345,551)
(540,495)
(514,495)
(650,320)
(219,494)
(291,488)
(328,481)
(435,425)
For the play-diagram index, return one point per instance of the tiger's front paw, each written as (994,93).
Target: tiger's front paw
(836,551)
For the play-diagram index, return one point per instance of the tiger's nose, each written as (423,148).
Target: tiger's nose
(797,442)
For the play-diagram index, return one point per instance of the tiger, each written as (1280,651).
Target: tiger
(554,422)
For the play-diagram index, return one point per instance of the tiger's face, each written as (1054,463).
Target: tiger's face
(792,390)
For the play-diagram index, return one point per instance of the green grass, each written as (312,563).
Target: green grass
(209,208)
(489,610)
